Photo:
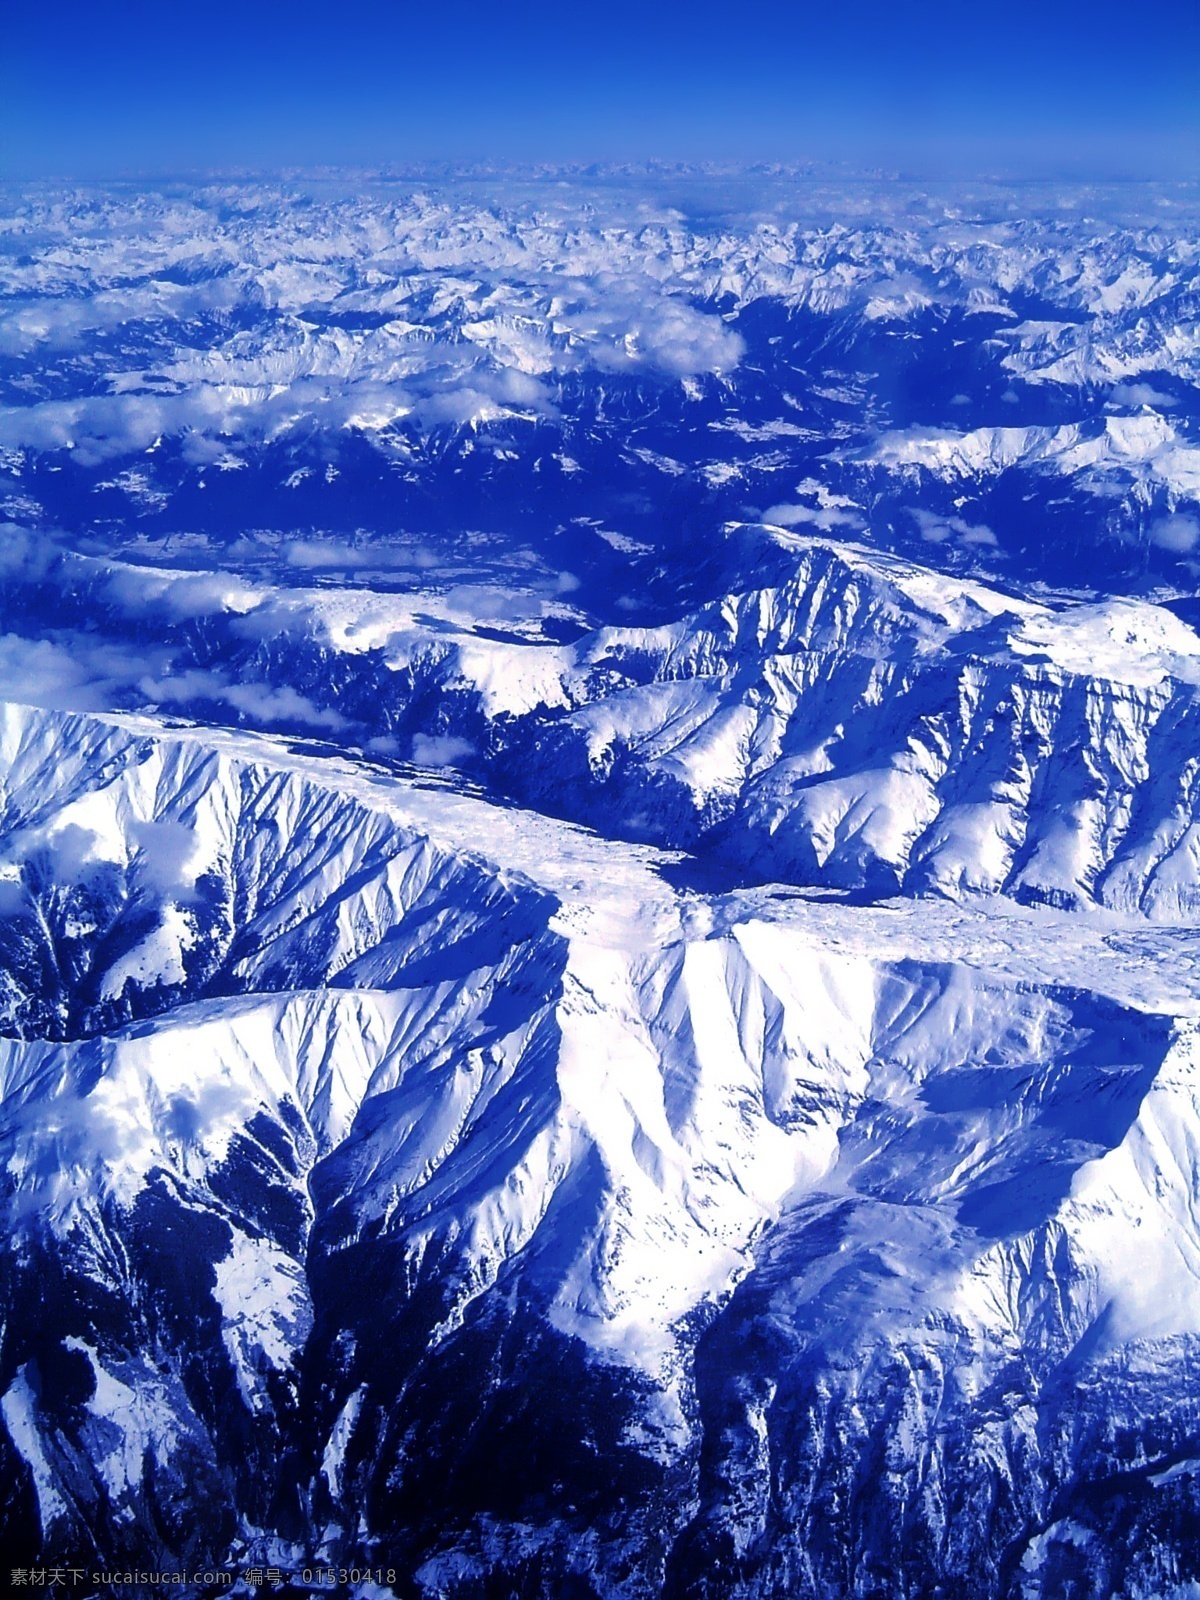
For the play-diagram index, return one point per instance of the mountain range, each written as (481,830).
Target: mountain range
(599,887)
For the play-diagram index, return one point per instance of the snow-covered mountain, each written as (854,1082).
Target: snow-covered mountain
(578,380)
(401,1110)
(872,725)
(857,721)
(626,1036)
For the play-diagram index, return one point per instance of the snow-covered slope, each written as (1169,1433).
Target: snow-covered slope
(869,724)
(1145,451)
(863,723)
(561,1107)
(159,872)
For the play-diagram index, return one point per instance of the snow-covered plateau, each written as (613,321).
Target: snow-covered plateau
(600,886)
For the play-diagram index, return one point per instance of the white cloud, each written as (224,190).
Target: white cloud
(486,603)
(444,750)
(64,321)
(622,329)
(1141,394)
(1175,533)
(262,703)
(316,554)
(26,554)
(166,851)
(74,851)
(823,517)
(937,529)
(72,672)
(144,591)
(265,704)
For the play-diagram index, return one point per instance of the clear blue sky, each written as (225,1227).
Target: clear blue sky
(95,86)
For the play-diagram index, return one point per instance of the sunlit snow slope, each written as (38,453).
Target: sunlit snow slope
(404,1123)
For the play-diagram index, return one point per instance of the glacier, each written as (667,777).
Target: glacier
(600,884)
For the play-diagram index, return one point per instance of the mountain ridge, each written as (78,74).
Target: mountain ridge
(825,1125)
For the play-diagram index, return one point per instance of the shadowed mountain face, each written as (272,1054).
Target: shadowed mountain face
(599,889)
